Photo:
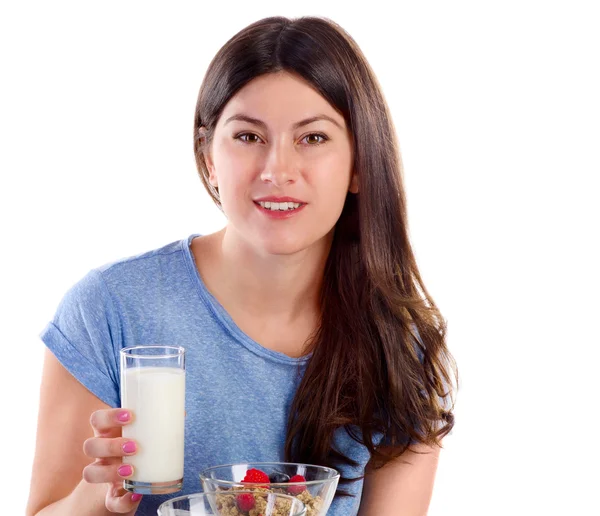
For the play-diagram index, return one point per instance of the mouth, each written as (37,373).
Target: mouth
(280,206)
(279,210)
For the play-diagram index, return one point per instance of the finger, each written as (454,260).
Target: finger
(120,501)
(106,421)
(100,472)
(101,447)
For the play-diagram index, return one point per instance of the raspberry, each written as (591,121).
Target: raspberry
(256,476)
(245,502)
(296,490)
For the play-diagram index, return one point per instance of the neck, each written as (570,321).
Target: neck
(283,287)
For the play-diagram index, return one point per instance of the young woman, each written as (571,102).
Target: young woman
(310,336)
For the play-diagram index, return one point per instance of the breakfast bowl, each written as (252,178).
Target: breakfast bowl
(313,485)
(238,503)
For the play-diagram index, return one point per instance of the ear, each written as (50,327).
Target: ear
(353,188)
(212,177)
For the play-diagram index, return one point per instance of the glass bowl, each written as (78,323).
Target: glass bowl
(226,504)
(316,492)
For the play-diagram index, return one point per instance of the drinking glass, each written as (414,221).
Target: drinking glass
(153,389)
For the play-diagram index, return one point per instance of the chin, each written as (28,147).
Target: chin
(281,247)
(287,245)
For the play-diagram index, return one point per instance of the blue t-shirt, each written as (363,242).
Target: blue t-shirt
(238,393)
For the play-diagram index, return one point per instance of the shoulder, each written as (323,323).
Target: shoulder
(128,276)
(163,268)
(143,261)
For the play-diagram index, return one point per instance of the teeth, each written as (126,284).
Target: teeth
(279,206)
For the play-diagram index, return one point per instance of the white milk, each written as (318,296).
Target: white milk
(156,395)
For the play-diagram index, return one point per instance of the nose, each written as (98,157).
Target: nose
(280,165)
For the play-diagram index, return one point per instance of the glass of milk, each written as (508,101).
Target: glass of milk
(153,389)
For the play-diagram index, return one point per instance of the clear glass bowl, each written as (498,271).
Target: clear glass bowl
(225,504)
(316,493)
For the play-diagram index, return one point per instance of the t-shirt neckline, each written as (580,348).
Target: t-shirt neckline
(223,316)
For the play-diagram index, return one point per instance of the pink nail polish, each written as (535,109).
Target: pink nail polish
(129,447)
(125,470)
(123,416)
(135,497)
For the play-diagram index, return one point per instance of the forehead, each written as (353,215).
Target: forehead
(279,98)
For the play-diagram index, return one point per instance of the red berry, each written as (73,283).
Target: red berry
(296,490)
(256,476)
(245,502)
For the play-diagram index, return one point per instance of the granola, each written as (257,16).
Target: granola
(230,504)
(233,505)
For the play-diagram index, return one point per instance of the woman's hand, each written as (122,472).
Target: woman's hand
(108,447)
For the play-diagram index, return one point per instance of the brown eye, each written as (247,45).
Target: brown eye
(316,139)
(248,137)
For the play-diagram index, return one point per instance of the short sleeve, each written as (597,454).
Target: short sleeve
(85,337)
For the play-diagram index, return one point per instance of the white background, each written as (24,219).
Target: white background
(498,114)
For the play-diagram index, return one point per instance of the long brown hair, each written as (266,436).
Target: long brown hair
(380,364)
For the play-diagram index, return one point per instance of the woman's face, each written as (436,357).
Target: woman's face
(267,149)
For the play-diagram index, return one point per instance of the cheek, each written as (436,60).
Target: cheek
(234,167)
(334,178)
(224,157)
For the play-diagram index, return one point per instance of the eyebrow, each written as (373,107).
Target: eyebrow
(245,118)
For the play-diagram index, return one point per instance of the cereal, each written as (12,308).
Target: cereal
(313,503)
(228,505)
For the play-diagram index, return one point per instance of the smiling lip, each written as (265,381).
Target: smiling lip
(279,199)
(277,214)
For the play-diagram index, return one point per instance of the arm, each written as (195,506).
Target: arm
(403,487)
(63,426)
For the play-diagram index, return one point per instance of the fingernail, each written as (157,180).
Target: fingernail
(135,497)
(125,470)
(129,447)
(123,416)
